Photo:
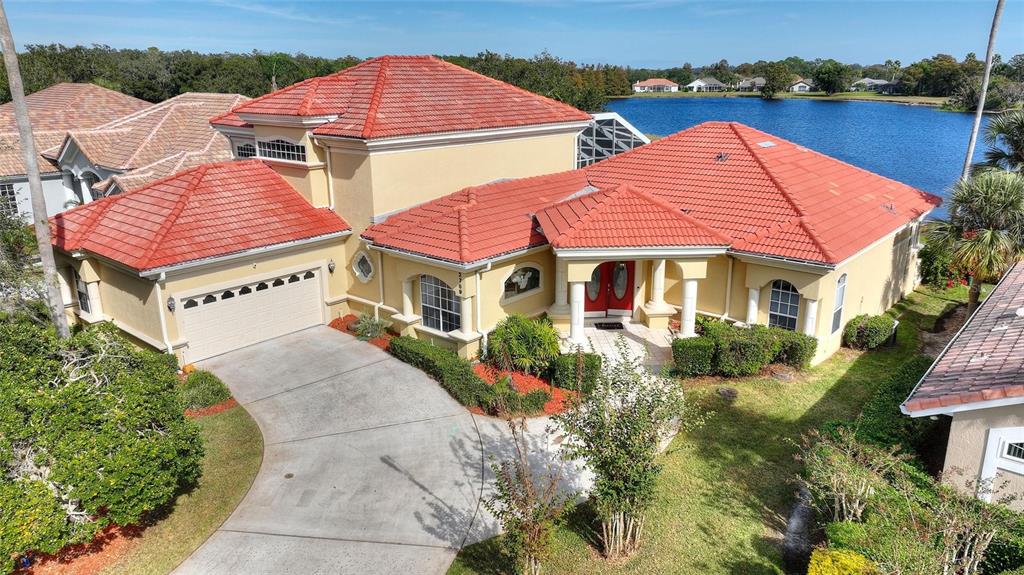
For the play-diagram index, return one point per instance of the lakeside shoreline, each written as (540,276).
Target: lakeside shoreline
(931,101)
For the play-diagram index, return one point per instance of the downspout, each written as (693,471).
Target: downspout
(163,320)
(380,286)
(330,175)
(728,289)
(479,323)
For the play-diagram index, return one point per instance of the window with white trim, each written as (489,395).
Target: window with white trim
(522,281)
(81,292)
(8,200)
(282,150)
(784,305)
(362,266)
(837,310)
(246,150)
(1014,451)
(439,306)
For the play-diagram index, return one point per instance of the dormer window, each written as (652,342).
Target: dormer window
(282,150)
(246,150)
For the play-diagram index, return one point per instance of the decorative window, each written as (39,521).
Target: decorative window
(245,150)
(308,276)
(227,295)
(81,292)
(837,311)
(278,282)
(8,200)
(261,286)
(440,309)
(282,150)
(293,278)
(245,291)
(191,303)
(362,266)
(785,305)
(524,280)
(209,299)
(1014,451)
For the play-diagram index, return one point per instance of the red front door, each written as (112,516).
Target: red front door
(610,289)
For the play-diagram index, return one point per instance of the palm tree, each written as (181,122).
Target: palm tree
(1005,138)
(984,89)
(35,184)
(984,233)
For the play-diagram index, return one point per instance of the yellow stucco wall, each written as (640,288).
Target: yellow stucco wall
(492,287)
(965,451)
(130,301)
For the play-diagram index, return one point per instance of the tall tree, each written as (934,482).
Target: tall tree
(776,79)
(984,89)
(35,183)
(831,77)
(984,233)
(894,68)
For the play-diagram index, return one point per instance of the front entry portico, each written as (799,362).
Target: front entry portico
(610,290)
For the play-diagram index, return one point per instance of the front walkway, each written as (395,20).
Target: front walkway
(653,345)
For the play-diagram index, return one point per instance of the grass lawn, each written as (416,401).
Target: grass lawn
(726,489)
(234,450)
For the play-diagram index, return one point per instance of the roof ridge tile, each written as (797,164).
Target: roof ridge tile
(376,96)
(198,174)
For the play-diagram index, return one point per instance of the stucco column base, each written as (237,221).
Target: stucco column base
(405,324)
(657,316)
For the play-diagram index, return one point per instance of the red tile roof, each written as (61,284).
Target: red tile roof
(655,82)
(985,360)
(408,95)
(763,194)
(623,216)
(204,212)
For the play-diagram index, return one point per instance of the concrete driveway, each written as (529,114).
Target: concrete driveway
(369,466)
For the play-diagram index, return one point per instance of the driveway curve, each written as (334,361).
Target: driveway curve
(368,466)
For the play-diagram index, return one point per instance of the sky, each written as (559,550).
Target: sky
(638,33)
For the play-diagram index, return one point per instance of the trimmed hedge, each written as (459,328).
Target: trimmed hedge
(840,562)
(693,356)
(202,389)
(868,331)
(795,349)
(451,371)
(744,351)
(565,372)
(881,421)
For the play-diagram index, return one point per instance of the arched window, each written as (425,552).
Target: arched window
(282,150)
(837,310)
(440,308)
(785,305)
(191,303)
(209,299)
(524,280)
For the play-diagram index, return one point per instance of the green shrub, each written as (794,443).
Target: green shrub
(105,430)
(881,421)
(845,534)
(1006,552)
(451,371)
(795,349)
(868,331)
(368,327)
(524,344)
(202,389)
(937,266)
(566,371)
(693,356)
(505,399)
(744,351)
(840,562)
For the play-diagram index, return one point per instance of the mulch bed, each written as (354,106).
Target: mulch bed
(524,383)
(109,546)
(344,324)
(212,409)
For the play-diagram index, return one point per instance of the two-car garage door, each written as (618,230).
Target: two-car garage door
(242,315)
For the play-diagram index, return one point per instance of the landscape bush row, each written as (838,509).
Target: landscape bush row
(728,350)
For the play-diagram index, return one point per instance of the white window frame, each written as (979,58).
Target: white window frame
(997,458)
(251,144)
(9,199)
(355,267)
(837,309)
(777,287)
(433,294)
(299,152)
(528,293)
(81,293)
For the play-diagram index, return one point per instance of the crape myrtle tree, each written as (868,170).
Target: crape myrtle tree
(616,431)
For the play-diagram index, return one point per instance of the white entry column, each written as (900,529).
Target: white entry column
(658,284)
(407,303)
(688,321)
(576,295)
(753,304)
(810,316)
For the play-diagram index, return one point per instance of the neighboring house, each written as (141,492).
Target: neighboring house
(706,85)
(802,85)
(656,85)
(145,146)
(867,84)
(978,381)
(463,204)
(890,88)
(751,84)
(52,111)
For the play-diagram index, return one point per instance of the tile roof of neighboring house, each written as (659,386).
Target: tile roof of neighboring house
(765,195)
(622,216)
(985,360)
(159,140)
(55,110)
(709,81)
(655,82)
(394,96)
(204,212)
(807,81)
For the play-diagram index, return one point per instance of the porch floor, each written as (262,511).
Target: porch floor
(654,345)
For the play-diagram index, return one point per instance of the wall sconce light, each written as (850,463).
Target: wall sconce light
(170,304)
(330,265)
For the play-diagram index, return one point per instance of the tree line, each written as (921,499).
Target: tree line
(155,75)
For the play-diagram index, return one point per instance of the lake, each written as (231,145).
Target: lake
(917,145)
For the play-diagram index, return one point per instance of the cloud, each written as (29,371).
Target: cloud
(287,13)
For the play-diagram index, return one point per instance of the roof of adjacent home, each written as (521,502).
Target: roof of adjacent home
(984,362)
(204,212)
(709,81)
(762,194)
(394,96)
(55,110)
(160,140)
(656,82)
